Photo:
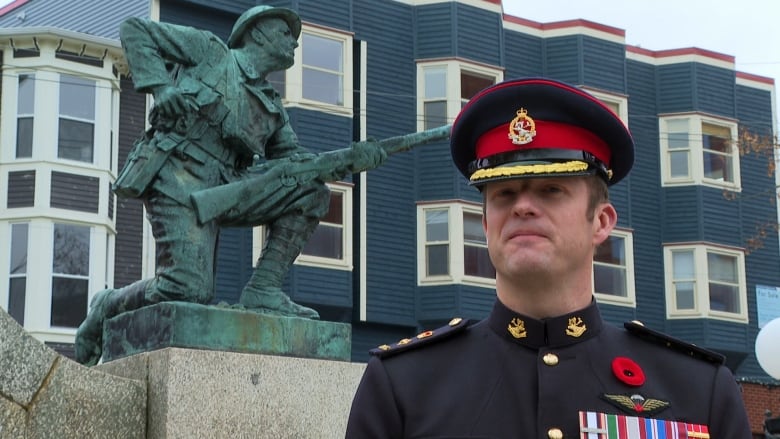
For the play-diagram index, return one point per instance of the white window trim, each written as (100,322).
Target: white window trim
(47,69)
(38,296)
(701,292)
(621,101)
(457,275)
(294,75)
(346,263)
(696,148)
(454,68)
(630,299)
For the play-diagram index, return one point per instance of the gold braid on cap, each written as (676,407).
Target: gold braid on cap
(551,168)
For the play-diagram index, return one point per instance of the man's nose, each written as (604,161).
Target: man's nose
(524,204)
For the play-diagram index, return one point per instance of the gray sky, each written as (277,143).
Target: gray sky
(749,30)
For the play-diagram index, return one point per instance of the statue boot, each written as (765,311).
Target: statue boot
(263,292)
(106,304)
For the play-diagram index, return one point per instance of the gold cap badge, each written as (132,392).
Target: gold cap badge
(522,129)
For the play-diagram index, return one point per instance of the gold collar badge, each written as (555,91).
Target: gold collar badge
(517,328)
(522,129)
(576,327)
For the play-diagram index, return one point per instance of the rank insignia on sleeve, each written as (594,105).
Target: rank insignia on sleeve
(636,403)
(603,425)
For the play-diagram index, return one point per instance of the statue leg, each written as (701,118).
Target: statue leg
(185,253)
(104,305)
(286,237)
(185,266)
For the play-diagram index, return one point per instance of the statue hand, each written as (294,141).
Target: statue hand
(368,154)
(170,102)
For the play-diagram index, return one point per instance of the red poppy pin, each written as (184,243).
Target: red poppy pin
(627,371)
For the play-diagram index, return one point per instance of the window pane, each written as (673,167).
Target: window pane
(77,97)
(722,267)
(678,140)
(679,163)
(68,301)
(323,53)
(75,140)
(471,84)
(322,86)
(610,280)
(71,250)
(472,229)
(335,213)
(683,265)
(16,298)
(435,114)
(718,166)
(611,251)
(437,259)
(724,298)
(325,242)
(715,143)
(477,262)
(24,137)
(26,95)
(436,227)
(435,83)
(684,295)
(19,248)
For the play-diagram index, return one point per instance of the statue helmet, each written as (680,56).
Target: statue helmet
(250,17)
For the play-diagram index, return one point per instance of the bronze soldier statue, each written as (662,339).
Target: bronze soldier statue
(214,115)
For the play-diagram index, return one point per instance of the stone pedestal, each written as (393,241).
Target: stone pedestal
(189,325)
(201,393)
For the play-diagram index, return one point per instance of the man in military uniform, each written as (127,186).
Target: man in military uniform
(215,113)
(544,364)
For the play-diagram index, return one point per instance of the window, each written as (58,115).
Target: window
(323,76)
(445,87)
(25,110)
(451,245)
(331,243)
(705,281)
(323,69)
(17,287)
(77,119)
(699,150)
(617,103)
(70,275)
(613,270)
(327,241)
(435,97)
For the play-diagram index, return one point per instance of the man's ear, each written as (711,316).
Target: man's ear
(604,222)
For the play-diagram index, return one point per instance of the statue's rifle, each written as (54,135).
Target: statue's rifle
(290,171)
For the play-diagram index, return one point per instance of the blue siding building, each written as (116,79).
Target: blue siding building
(402,248)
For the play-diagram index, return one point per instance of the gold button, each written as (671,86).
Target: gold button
(404,341)
(550,359)
(425,334)
(555,433)
(455,321)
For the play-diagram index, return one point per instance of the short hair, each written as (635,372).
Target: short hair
(598,193)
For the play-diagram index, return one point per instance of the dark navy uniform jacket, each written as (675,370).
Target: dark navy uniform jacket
(511,376)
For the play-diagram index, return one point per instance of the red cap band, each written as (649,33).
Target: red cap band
(548,135)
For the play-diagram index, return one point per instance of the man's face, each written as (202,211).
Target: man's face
(276,38)
(540,227)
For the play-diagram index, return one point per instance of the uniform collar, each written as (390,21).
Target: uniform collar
(559,331)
